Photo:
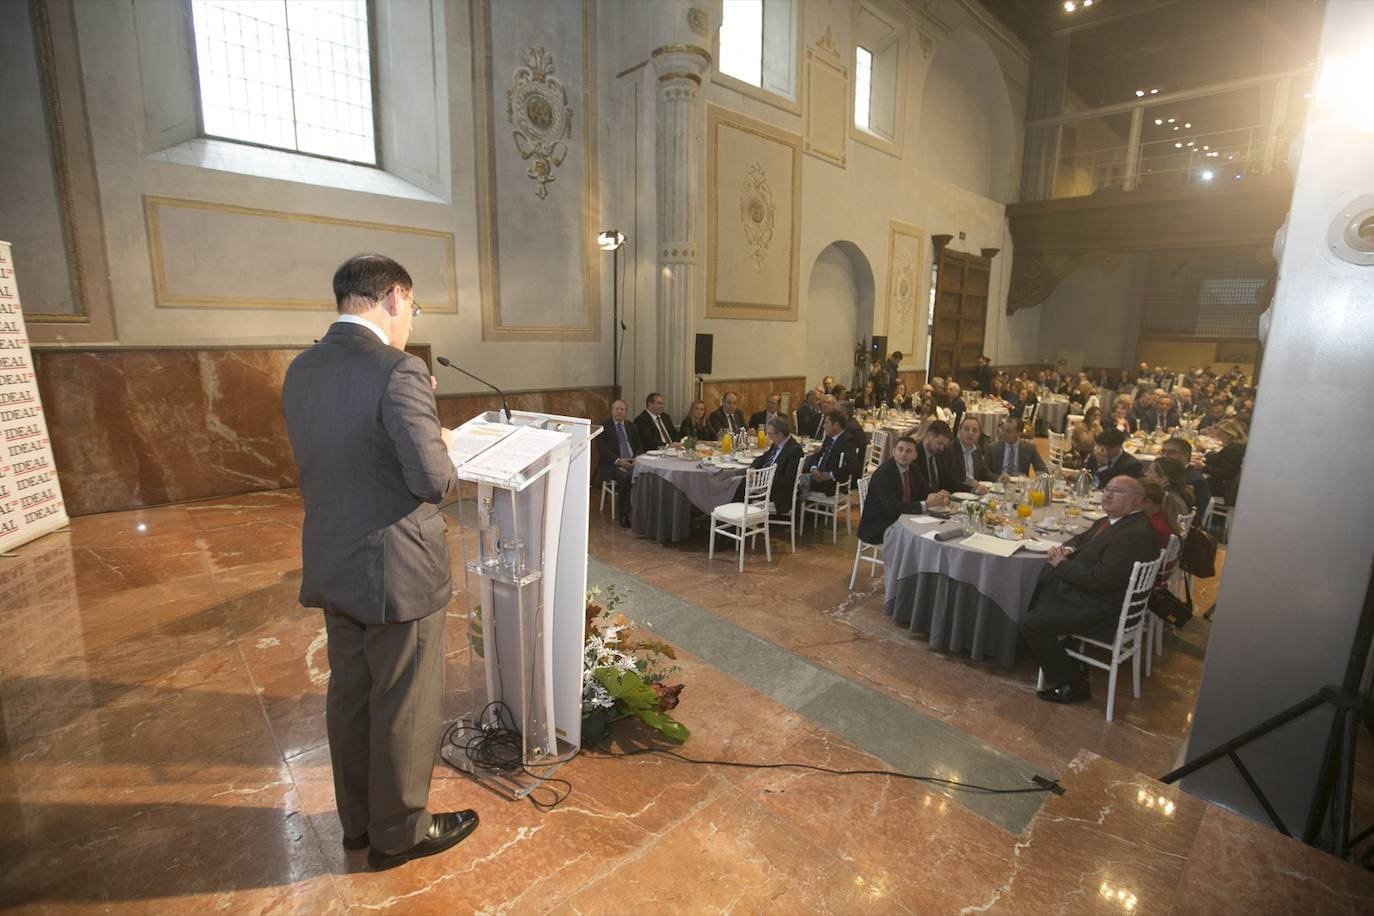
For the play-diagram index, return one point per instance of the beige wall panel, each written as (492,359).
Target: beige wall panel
(753,218)
(210,255)
(908,288)
(826,121)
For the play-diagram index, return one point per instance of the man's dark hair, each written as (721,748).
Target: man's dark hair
(1181,444)
(780,425)
(907,439)
(896,356)
(837,417)
(940,428)
(364,279)
(1111,437)
(650,399)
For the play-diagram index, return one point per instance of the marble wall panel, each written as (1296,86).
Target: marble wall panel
(147,427)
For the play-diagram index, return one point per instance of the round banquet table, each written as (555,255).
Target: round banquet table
(965,600)
(666,489)
(1054,412)
(990,419)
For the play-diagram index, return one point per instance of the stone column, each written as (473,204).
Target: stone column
(677,166)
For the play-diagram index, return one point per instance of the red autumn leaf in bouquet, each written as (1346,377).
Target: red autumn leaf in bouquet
(593,610)
(667,696)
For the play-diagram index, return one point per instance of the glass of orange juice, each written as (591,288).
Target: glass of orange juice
(1023,510)
(1037,497)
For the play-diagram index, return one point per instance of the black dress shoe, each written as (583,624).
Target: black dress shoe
(1066,693)
(354,843)
(445,830)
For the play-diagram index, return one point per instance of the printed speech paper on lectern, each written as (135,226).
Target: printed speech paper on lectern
(31,503)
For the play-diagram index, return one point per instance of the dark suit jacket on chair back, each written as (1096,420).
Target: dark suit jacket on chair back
(365,433)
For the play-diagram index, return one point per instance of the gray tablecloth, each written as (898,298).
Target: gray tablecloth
(965,600)
(990,419)
(1055,414)
(666,489)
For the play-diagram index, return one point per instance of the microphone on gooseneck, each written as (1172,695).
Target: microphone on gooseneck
(444,361)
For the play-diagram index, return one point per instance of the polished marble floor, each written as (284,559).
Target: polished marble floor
(163,750)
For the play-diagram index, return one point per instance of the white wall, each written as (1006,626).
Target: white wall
(1096,310)
(839,293)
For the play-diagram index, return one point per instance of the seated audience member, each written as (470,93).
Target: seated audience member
(899,400)
(840,392)
(1011,457)
(1222,467)
(728,418)
(1153,507)
(837,461)
(785,454)
(895,490)
(967,456)
(955,402)
(761,419)
(695,424)
(867,398)
(1122,417)
(808,415)
(828,404)
(1083,437)
(1162,417)
(1172,479)
(618,445)
(1183,402)
(1109,460)
(1181,450)
(999,389)
(852,427)
(655,428)
(1082,588)
(1216,413)
(933,465)
(926,415)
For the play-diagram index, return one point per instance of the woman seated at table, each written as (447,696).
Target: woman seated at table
(694,425)
(1083,437)
(1222,467)
(1155,512)
(999,389)
(868,398)
(1084,397)
(899,399)
(1172,479)
(926,411)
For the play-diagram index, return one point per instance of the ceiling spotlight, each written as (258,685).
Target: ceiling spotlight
(1188,124)
(1175,127)
(1158,121)
(1206,147)
(1171,120)
(1178,146)
(1154,92)
(1087,3)
(1238,174)
(1139,93)
(1208,175)
(1190,142)
(1070,6)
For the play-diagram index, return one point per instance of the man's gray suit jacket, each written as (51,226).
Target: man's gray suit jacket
(365,431)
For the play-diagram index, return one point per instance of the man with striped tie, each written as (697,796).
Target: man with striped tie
(836,462)
(655,428)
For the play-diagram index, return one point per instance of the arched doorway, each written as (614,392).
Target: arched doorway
(838,311)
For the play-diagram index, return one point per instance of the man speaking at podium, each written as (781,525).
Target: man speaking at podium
(373,465)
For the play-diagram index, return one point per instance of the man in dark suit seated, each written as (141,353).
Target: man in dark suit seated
(727,418)
(809,415)
(761,419)
(1162,417)
(785,454)
(955,403)
(932,463)
(1011,457)
(836,462)
(896,490)
(1082,589)
(618,445)
(967,457)
(1108,460)
(654,427)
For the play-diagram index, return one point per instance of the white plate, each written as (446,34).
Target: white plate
(656,453)
(1094,515)
(963,497)
(1035,545)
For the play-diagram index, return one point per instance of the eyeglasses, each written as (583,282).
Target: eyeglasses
(414,306)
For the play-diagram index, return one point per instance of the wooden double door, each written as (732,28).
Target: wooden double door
(961,314)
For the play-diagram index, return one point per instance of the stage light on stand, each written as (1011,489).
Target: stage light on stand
(611,240)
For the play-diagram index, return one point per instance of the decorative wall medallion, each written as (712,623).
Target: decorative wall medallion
(537,104)
(904,289)
(756,212)
(698,21)
(927,44)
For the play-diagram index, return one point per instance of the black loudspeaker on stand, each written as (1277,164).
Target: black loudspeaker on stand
(1332,796)
(703,354)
